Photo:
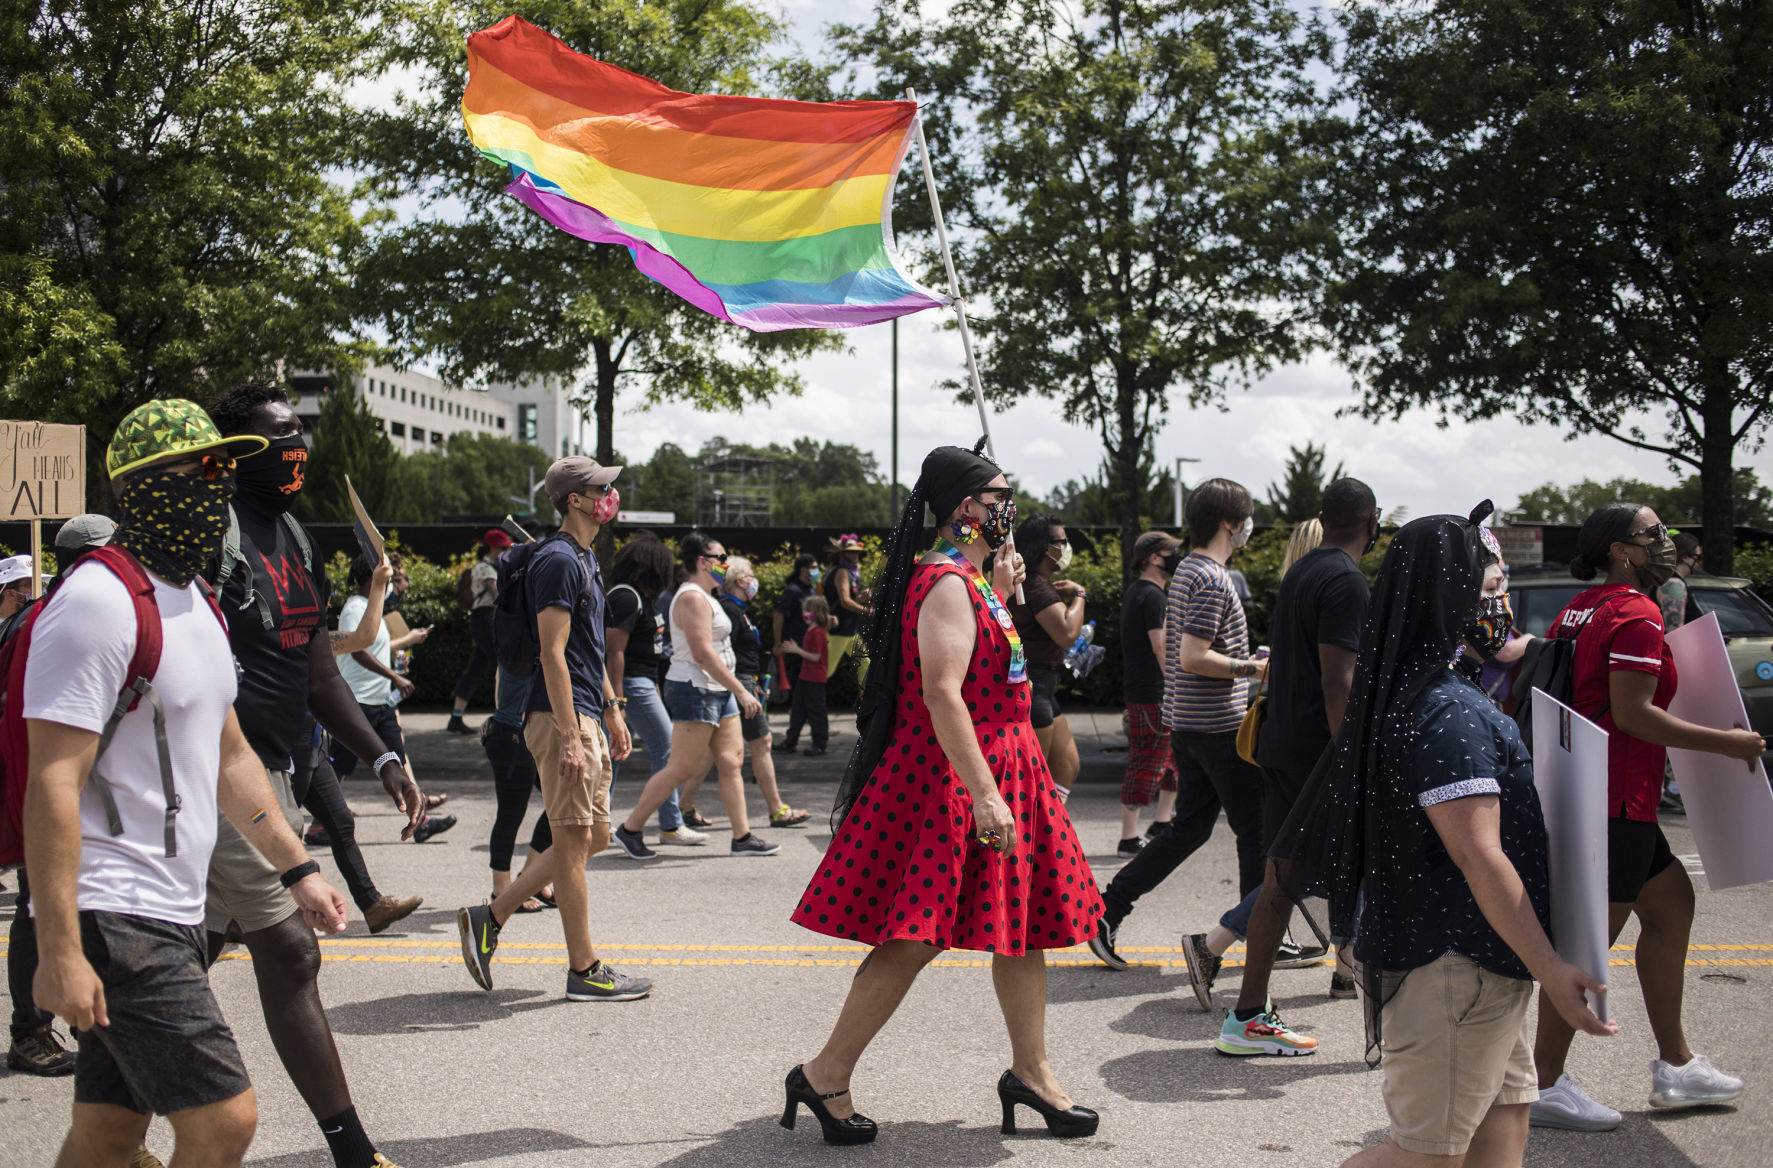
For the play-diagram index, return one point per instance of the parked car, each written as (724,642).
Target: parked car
(1746,620)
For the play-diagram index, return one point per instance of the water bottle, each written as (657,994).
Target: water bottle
(1084,655)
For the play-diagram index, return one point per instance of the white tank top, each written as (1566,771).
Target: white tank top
(683,665)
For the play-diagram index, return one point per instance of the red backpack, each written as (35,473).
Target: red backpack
(143,665)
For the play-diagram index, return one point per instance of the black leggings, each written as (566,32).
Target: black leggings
(316,787)
(514,776)
(21,966)
(480,626)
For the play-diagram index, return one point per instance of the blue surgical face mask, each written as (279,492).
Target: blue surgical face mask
(816,573)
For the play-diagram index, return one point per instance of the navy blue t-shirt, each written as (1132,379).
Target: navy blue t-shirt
(1464,746)
(561,575)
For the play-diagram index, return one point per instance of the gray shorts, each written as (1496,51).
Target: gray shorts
(167,1048)
(243,886)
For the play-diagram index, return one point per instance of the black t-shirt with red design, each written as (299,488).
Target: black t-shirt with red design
(273,662)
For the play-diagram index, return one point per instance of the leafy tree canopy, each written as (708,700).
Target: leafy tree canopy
(169,220)
(1562,212)
(1300,493)
(1128,184)
(1677,504)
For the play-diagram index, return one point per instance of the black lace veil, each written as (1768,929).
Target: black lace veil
(949,475)
(1356,836)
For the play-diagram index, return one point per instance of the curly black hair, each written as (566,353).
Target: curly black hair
(232,412)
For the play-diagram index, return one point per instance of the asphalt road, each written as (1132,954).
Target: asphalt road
(445,1074)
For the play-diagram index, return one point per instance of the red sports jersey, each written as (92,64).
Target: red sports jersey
(1618,627)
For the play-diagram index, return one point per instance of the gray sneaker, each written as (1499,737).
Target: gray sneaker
(634,844)
(1203,968)
(605,983)
(1697,1084)
(751,845)
(480,938)
(1566,1106)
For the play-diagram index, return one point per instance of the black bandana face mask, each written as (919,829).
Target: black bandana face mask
(1000,518)
(1495,622)
(271,479)
(173,523)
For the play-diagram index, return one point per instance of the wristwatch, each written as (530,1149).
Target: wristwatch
(618,703)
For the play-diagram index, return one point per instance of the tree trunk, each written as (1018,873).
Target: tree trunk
(1717,482)
(603,407)
(1128,485)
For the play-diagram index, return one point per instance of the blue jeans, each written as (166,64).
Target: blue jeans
(648,722)
(1237,918)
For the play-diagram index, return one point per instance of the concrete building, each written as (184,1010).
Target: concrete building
(419,412)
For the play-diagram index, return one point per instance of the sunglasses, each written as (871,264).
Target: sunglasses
(719,559)
(1657,533)
(209,468)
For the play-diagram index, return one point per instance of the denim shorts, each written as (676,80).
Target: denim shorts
(688,703)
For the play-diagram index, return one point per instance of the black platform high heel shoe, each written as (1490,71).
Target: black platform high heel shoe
(1073,1121)
(855,1129)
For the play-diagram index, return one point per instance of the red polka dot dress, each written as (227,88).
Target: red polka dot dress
(905,865)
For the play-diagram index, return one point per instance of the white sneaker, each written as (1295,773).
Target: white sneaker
(1694,1085)
(683,835)
(1566,1105)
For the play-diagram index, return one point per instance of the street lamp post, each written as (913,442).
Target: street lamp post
(1179,490)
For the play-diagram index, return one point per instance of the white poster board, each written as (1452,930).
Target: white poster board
(1729,805)
(1570,770)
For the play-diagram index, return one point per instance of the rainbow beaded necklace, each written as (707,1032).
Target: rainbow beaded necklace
(1018,671)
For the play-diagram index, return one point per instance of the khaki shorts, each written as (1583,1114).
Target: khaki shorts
(1455,1046)
(243,886)
(581,804)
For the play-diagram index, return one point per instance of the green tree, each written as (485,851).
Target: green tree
(1300,493)
(475,475)
(347,442)
(664,482)
(489,290)
(1088,501)
(1127,182)
(169,219)
(1681,503)
(1562,212)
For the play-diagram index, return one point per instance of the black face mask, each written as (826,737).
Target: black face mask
(1372,542)
(271,479)
(1490,631)
(392,600)
(1172,562)
(173,523)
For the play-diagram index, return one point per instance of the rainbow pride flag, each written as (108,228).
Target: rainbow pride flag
(771,214)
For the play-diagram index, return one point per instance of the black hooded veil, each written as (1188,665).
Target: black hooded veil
(949,475)
(1356,835)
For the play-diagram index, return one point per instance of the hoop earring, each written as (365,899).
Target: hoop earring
(965,529)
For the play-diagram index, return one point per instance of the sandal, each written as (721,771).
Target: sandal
(694,818)
(788,816)
(433,802)
(532,905)
(545,900)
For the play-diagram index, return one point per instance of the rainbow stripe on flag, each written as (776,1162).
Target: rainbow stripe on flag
(771,214)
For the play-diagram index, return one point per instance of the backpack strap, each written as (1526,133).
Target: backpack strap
(143,665)
(300,535)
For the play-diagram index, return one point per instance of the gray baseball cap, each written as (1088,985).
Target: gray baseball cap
(575,475)
(84,532)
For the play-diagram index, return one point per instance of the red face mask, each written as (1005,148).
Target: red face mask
(605,509)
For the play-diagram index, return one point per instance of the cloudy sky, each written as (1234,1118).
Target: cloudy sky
(1414,462)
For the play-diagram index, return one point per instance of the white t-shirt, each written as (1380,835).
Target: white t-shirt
(372,689)
(683,665)
(78,663)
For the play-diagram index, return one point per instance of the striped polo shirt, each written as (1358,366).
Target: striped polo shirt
(1203,603)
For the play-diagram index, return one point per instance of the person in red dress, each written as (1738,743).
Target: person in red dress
(950,833)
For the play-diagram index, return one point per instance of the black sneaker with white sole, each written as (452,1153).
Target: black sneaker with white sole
(750,845)
(633,843)
(1295,956)
(603,982)
(1130,847)
(480,938)
(1102,945)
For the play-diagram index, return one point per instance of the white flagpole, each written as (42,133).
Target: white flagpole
(960,310)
